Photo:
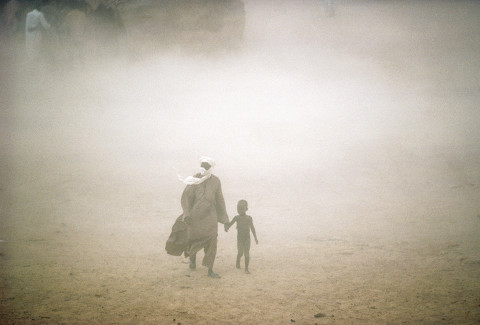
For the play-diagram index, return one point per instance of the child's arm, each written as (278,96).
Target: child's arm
(253,230)
(229,224)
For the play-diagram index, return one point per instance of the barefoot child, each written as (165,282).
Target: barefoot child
(244,224)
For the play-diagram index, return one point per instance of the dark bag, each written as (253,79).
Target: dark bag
(177,242)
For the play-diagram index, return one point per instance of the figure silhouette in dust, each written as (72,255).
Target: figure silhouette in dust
(203,208)
(244,226)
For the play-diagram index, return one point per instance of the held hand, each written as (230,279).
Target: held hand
(225,226)
(256,241)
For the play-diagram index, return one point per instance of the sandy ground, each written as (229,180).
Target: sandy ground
(354,138)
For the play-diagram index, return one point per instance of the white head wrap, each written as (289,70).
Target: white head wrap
(204,173)
(208,160)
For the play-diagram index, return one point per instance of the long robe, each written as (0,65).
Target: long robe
(205,204)
(34,24)
(177,242)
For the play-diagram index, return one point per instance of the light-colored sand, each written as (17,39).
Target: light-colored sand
(354,138)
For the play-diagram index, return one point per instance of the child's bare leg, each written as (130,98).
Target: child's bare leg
(240,251)
(247,255)
(239,255)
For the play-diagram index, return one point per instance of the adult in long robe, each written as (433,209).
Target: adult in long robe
(203,208)
(34,24)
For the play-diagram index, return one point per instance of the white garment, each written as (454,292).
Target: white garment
(208,160)
(197,179)
(33,35)
(202,176)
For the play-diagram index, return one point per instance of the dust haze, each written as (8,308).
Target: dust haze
(353,137)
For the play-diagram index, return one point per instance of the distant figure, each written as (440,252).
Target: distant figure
(35,23)
(244,225)
(203,208)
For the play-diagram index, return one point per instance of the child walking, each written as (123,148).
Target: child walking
(244,225)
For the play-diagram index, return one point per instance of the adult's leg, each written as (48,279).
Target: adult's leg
(193,249)
(193,262)
(210,254)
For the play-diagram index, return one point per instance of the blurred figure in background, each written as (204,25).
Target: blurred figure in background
(35,24)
